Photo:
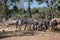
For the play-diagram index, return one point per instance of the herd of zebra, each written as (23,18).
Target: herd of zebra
(35,24)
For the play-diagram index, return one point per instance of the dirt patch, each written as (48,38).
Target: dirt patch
(28,35)
(38,36)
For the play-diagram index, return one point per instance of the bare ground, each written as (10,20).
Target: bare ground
(31,35)
(37,36)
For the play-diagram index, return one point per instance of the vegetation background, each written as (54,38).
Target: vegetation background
(52,10)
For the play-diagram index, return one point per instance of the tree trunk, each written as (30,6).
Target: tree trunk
(52,13)
(30,15)
(5,9)
(22,7)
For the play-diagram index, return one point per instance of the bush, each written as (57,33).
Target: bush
(35,16)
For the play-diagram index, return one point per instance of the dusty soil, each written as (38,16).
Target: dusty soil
(30,35)
(37,36)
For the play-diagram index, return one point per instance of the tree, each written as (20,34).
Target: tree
(15,8)
(21,3)
(14,1)
(29,10)
(40,1)
(6,9)
(58,8)
(52,5)
(1,8)
(34,10)
(22,7)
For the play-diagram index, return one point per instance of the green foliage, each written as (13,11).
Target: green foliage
(13,1)
(17,13)
(35,16)
(34,10)
(41,1)
(58,1)
(58,8)
(15,8)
